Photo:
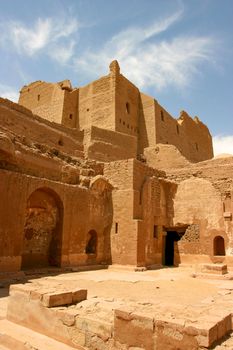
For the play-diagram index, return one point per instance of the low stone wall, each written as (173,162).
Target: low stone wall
(52,311)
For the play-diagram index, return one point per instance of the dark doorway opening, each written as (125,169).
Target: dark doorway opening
(171,238)
(219,246)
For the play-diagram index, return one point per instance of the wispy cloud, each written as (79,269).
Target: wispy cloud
(223,144)
(9,92)
(62,53)
(148,61)
(52,36)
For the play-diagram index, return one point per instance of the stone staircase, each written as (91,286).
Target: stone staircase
(17,337)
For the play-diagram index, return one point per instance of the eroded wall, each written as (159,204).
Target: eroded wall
(96,104)
(78,218)
(198,203)
(56,102)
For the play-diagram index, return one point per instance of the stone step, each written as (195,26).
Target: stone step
(14,336)
(7,342)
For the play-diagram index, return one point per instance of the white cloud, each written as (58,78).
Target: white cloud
(148,61)
(62,53)
(9,93)
(223,144)
(28,40)
(44,36)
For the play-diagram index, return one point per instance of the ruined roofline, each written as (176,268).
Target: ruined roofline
(114,70)
(63,85)
(183,114)
(114,103)
(26,112)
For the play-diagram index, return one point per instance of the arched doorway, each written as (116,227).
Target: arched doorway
(42,230)
(219,246)
(91,246)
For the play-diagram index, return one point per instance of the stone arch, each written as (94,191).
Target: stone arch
(42,241)
(100,184)
(219,246)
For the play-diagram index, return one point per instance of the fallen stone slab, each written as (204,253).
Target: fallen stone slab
(57,299)
(50,296)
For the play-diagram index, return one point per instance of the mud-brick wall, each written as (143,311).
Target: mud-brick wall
(198,138)
(107,145)
(70,109)
(44,99)
(75,210)
(124,227)
(190,136)
(147,134)
(168,130)
(96,104)
(141,173)
(31,129)
(126,106)
(198,204)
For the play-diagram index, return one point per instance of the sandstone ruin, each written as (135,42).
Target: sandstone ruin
(103,176)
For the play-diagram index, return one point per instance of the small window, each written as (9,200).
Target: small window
(123,123)
(38,98)
(155,231)
(87,109)
(162,116)
(120,120)
(116,227)
(196,144)
(127,108)
(177,129)
(71,116)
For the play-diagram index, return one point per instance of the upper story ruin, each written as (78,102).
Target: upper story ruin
(118,121)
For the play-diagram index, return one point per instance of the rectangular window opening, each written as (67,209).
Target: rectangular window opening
(155,231)
(162,116)
(116,227)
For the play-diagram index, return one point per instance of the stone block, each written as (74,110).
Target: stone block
(217,269)
(100,328)
(133,330)
(79,295)
(57,299)
(207,334)
(169,336)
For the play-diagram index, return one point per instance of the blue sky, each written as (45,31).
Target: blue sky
(180,52)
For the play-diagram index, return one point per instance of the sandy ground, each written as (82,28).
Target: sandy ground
(168,286)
